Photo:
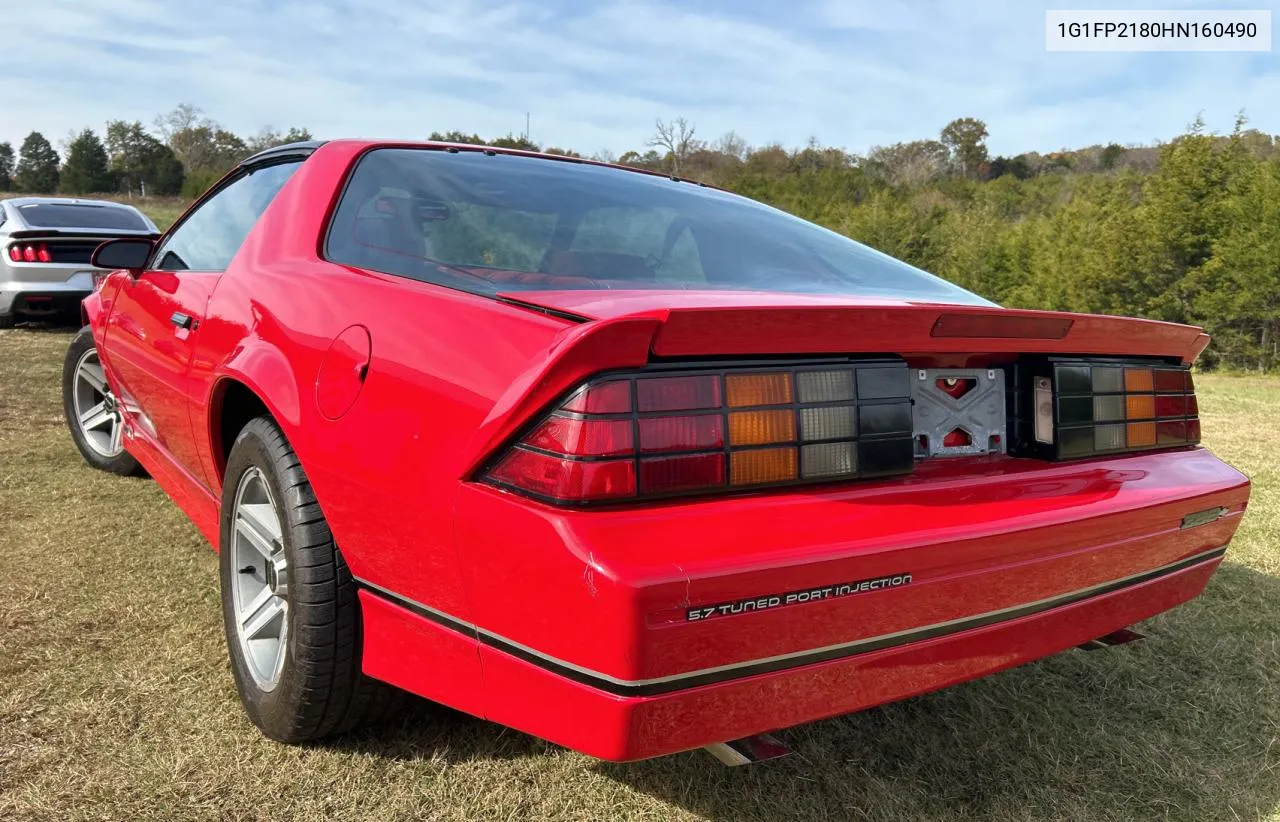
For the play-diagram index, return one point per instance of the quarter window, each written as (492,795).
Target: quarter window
(211,236)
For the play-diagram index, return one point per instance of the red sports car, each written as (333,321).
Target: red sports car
(624,461)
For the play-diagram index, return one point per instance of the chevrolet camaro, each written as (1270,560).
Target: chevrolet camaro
(624,461)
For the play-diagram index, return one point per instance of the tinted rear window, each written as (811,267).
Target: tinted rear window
(65,215)
(502,223)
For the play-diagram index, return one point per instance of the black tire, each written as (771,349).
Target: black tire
(8,320)
(121,463)
(320,689)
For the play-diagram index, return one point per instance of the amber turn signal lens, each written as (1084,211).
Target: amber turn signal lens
(1141,434)
(1139,406)
(761,466)
(744,390)
(761,427)
(1138,379)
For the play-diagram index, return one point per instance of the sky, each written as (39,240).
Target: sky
(594,76)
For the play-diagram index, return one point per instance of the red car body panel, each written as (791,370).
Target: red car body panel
(622,729)
(570,624)
(702,323)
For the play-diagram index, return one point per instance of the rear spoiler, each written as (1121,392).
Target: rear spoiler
(918,329)
(65,234)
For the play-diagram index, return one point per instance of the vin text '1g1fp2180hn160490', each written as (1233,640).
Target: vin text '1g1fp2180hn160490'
(623,461)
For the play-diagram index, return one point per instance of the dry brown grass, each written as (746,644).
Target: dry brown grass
(116,701)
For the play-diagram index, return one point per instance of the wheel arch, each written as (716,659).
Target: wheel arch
(239,394)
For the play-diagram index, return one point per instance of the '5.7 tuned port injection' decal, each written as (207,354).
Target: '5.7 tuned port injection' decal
(770,601)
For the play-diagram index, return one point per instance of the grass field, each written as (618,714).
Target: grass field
(116,701)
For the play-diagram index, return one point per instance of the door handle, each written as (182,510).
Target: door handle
(182,320)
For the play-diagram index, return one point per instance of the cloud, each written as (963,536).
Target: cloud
(594,76)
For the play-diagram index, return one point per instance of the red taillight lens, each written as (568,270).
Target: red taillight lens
(582,437)
(681,473)
(29,253)
(662,434)
(15,253)
(604,398)
(678,393)
(694,432)
(561,479)
(42,253)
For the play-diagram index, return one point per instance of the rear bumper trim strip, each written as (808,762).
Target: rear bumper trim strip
(709,676)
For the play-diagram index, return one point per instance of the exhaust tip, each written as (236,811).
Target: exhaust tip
(748,750)
(1112,639)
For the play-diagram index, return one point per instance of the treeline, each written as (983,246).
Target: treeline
(1186,231)
(182,154)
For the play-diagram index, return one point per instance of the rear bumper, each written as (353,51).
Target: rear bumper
(38,288)
(554,705)
(634,633)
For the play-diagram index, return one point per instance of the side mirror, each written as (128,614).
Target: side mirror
(127,253)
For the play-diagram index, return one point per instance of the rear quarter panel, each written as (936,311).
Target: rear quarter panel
(386,471)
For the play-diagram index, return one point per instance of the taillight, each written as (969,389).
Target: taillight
(30,253)
(663,434)
(1082,409)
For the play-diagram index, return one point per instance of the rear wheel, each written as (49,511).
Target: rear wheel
(289,603)
(8,320)
(91,409)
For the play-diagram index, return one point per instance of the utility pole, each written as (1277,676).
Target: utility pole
(526,126)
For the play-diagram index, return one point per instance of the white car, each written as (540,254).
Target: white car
(45,245)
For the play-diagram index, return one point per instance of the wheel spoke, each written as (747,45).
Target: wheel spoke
(255,524)
(116,431)
(266,620)
(96,417)
(260,579)
(91,372)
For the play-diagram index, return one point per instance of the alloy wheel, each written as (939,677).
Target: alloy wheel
(259,579)
(96,409)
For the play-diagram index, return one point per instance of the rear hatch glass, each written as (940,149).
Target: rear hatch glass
(78,215)
(500,223)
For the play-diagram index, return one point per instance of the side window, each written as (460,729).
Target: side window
(211,236)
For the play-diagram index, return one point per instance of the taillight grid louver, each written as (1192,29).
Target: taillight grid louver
(699,431)
(1081,409)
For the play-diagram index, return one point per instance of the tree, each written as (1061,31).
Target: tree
(1111,155)
(6,166)
(1017,166)
(676,138)
(908,164)
(37,168)
(268,137)
(183,117)
(1240,289)
(511,141)
(733,146)
(141,161)
(966,138)
(199,143)
(457,137)
(207,148)
(86,169)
